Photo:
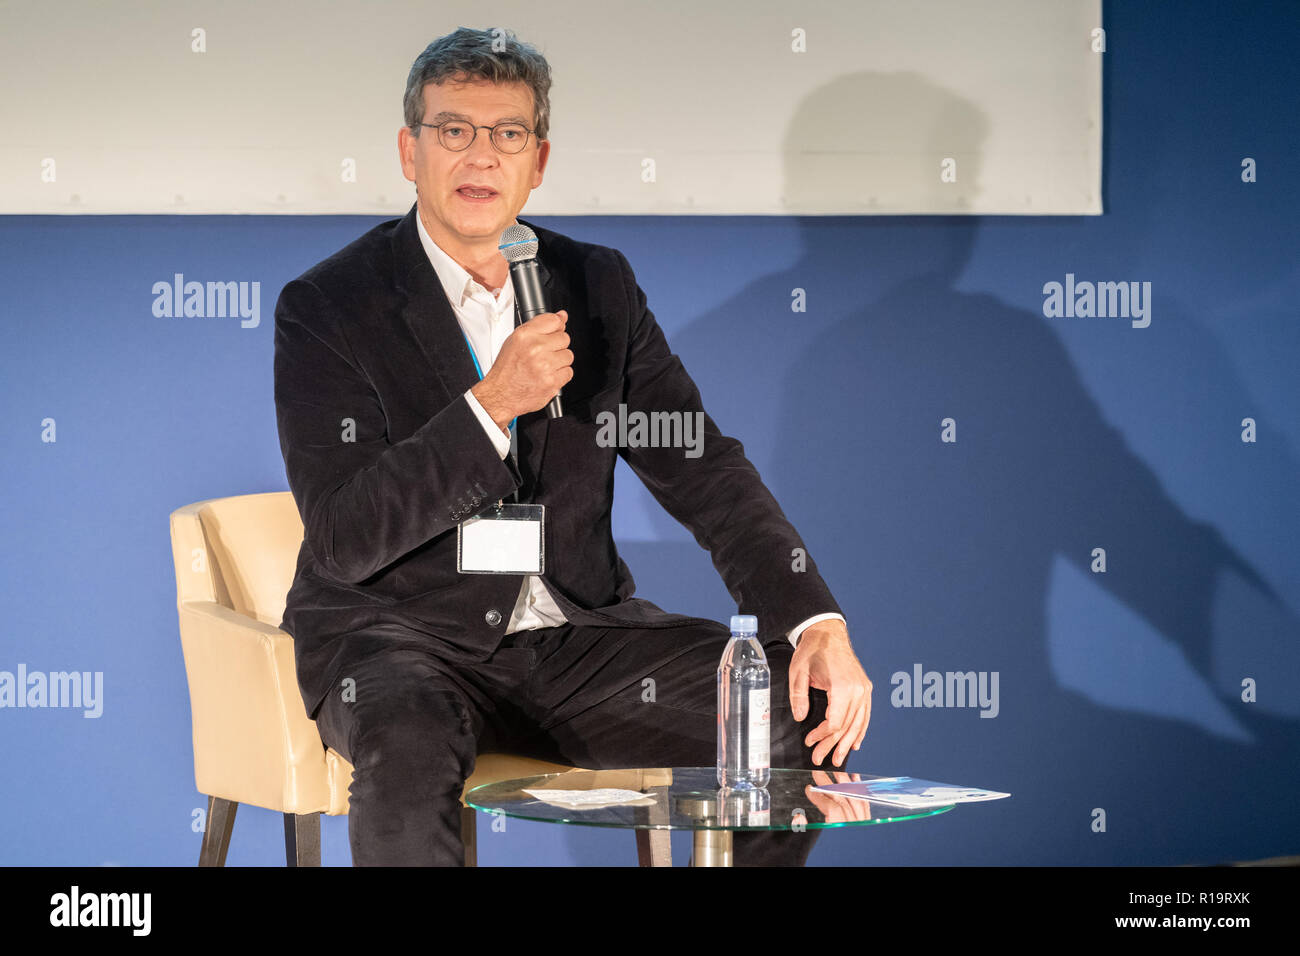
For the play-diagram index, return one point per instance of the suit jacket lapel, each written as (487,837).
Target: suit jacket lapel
(427,312)
(534,428)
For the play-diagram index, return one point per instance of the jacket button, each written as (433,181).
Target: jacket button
(493,617)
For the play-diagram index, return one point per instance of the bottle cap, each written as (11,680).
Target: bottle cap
(744,624)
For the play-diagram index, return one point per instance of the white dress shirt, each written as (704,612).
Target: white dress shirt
(487,318)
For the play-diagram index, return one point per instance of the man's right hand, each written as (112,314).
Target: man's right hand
(533,365)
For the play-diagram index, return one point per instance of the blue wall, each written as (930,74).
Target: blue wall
(1119,690)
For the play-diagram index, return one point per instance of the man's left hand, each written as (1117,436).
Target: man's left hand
(824,659)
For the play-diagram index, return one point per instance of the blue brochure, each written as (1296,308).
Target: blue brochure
(910,792)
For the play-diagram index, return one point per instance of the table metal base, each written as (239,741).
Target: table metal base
(712,848)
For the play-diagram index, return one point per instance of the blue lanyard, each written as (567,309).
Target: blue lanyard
(478,368)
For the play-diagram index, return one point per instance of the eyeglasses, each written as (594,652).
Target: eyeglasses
(457,135)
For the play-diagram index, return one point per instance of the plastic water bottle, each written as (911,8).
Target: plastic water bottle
(744,709)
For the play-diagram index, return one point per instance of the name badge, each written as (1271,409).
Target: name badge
(505,539)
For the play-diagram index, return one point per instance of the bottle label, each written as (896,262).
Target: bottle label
(760,728)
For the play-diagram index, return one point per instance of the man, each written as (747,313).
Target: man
(408,402)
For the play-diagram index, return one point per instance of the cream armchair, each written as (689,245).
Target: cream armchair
(253,742)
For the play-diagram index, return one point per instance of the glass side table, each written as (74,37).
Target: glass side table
(689,798)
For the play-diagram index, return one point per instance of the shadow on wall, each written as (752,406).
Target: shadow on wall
(951,554)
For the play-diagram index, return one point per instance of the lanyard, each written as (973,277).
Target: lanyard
(478,368)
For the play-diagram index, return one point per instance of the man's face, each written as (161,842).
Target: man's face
(442,176)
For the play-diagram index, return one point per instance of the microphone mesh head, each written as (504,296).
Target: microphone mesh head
(518,243)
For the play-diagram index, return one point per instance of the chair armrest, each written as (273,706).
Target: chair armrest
(253,740)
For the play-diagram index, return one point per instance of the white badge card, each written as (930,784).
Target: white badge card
(505,539)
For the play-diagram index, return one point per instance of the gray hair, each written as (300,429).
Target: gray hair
(494,55)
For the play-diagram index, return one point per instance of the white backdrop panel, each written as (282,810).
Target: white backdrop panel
(108,108)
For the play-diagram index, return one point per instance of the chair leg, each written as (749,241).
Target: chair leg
(654,848)
(216,832)
(302,839)
(469,834)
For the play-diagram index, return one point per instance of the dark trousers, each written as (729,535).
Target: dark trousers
(569,694)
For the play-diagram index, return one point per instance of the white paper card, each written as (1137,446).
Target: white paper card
(592,799)
(491,545)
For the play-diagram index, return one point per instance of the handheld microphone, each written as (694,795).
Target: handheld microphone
(519,245)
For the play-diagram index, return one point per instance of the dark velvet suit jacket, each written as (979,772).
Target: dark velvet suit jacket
(385,457)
